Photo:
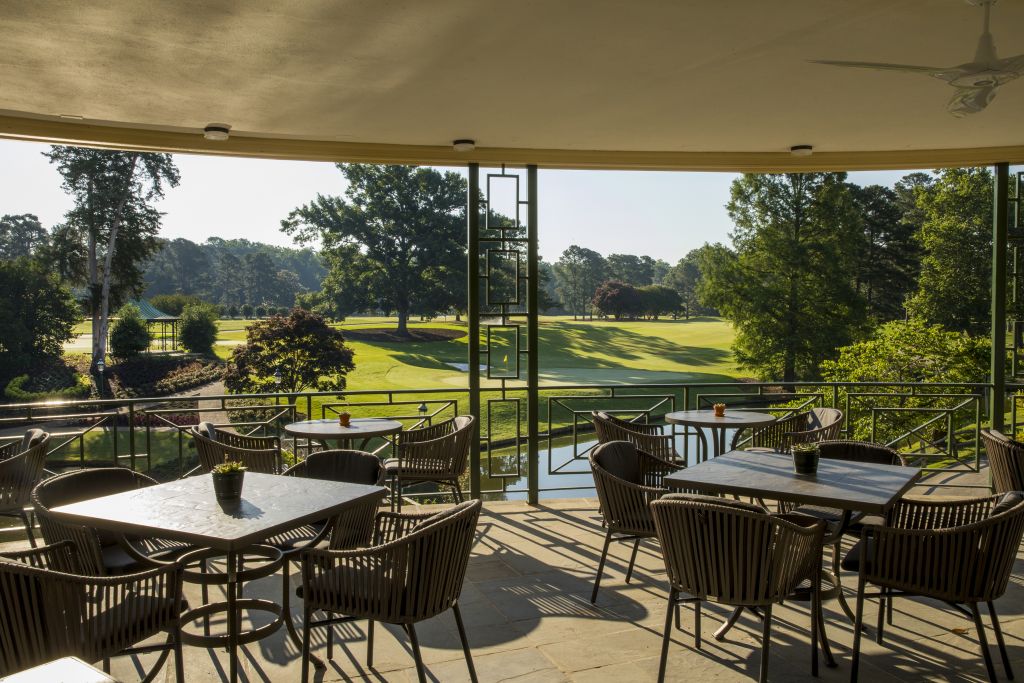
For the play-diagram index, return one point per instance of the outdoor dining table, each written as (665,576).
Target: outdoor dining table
(845,485)
(718,424)
(63,670)
(359,429)
(186,510)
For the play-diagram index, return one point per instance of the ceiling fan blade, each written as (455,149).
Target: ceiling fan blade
(970,100)
(1012,63)
(912,68)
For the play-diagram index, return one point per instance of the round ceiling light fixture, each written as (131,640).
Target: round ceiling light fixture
(801,150)
(464,145)
(216,131)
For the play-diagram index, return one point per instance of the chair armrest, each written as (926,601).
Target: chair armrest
(60,556)
(391,526)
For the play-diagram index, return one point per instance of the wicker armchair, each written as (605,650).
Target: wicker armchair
(1005,461)
(100,553)
(413,572)
(959,552)
(48,611)
(649,438)
(819,424)
(627,480)
(353,528)
(737,554)
(257,453)
(438,454)
(21,468)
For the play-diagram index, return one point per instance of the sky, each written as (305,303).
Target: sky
(659,214)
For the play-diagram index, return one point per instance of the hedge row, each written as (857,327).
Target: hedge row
(16,390)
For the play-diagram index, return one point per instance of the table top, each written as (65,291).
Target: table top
(187,510)
(858,486)
(359,428)
(734,418)
(64,670)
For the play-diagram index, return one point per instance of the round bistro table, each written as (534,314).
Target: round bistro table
(706,419)
(359,429)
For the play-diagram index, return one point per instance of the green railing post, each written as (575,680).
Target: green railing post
(473,316)
(532,343)
(1000,214)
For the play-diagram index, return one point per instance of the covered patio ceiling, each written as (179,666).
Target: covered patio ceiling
(574,83)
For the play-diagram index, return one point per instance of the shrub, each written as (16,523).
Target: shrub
(246,310)
(198,328)
(19,389)
(130,335)
(159,376)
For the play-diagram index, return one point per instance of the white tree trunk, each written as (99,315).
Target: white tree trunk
(104,312)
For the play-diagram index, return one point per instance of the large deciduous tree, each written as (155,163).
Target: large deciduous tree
(789,287)
(398,237)
(113,222)
(578,272)
(302,347)
(619,299)
(21,235)
(685,277)
(37,313)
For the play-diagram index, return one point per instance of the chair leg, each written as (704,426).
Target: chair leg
(882,599)
(369,645)
(179,660)
(815,599)
(858,624)
(983,641)
(206,597)
(465,642)
(632,560)
(330,641)
(999,640)
(458,490)
(420,672)
(306,613)
(673,605)
(766,639)
(600,566)
(696,624)
(27,521)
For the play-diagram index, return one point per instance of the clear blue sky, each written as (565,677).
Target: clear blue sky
(663,215)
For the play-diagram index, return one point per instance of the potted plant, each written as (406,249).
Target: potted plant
(719,409)
(805,458)
(227,480)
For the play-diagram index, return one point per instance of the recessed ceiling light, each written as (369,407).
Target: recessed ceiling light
(216,131)
(72,117)
(464,145)
(801,150)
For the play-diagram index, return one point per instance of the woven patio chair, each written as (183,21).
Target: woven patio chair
(438,454)
(21,468)
(649,438)
(214,446)
(353,528)
(48,610)
(627,479)
(737,554)
(1005,461)
(818,424)
(960,552)
(100,553)
(413,572)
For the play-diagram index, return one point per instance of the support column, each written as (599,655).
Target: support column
(473,316)
(1000,207)
(533,358)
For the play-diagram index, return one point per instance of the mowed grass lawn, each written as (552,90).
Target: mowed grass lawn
(571,352)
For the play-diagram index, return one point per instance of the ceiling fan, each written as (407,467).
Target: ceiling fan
(975,82)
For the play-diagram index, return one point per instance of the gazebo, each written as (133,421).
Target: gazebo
(167,323)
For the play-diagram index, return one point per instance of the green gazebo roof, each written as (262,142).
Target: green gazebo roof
(151,313)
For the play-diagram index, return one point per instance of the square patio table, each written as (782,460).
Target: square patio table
(187,510)
(842,484)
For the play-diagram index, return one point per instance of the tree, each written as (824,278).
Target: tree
(547,294)
(129,335)
(302,347)
(113,220)
(788,289)
(180,266)
(657,300)
(232,311)
(174,304)
(619,299)
(578,272)
(197,328)
(21,235)
(246,311)
(954,288)
(38,315)
(685,278)
(634,270)
(889,258)
(408,226)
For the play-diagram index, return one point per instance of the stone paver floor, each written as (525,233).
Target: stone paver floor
(529,618)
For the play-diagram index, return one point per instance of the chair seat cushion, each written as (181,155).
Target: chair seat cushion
(853,559)
(116,559)
(1007,502)
(298,539)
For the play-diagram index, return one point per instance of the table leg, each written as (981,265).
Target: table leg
(232,569)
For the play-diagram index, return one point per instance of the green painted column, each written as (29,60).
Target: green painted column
(1000,206)
(533,359)
(473,315)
